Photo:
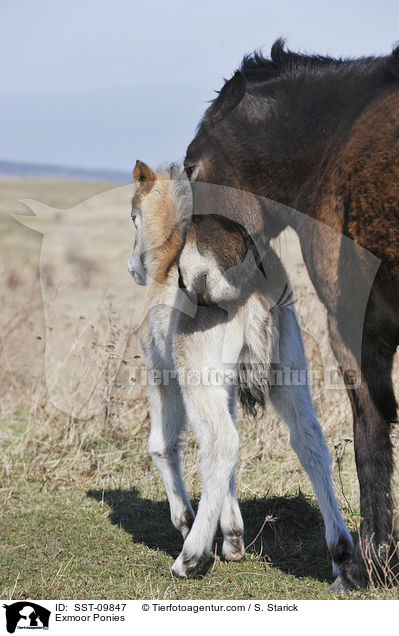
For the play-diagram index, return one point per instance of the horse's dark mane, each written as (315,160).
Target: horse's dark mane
(284,63)
(256,67)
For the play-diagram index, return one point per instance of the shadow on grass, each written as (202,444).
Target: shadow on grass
(291,538)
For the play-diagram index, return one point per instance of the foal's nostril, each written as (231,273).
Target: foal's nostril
(181,281)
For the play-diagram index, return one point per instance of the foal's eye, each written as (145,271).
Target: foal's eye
(136,218)
(190,170)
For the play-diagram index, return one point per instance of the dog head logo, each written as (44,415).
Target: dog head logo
(26,615)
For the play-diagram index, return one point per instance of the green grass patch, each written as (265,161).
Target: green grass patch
(85,516)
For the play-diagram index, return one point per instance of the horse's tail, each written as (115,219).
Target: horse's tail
(252,387)
(253,368)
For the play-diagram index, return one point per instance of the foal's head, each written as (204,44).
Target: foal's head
(161,206)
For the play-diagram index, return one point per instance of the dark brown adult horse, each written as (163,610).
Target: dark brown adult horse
(320,136)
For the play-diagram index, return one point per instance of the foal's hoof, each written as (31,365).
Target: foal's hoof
(338,587)
(233,549)
(351,573)
(184,522)
(348,566)
(188,567)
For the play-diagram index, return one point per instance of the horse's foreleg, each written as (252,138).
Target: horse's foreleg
(168,418)
(208,412)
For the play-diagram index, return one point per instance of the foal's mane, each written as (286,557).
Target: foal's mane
(181,190)
(181,203)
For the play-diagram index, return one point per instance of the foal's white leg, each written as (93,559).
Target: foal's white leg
(208,412)
(231,522)
(232,526)
(294,405)
(168,418)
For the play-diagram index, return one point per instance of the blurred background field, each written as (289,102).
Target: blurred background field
(83,511)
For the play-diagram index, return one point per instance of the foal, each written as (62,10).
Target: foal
(216,347)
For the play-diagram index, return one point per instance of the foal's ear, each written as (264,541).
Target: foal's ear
(143,175)
(230,95)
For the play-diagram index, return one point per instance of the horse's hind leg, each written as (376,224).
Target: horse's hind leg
(168,419)
(208,412)
(374,408)
(294,404)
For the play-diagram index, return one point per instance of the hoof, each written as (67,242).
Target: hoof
(347,566)
(178,569)
(233,549)
(351,574)
(189,568)
(184,523)
(338,587)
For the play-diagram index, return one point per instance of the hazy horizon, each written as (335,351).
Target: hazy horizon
(98,86)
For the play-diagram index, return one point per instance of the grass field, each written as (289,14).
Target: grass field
(83,511)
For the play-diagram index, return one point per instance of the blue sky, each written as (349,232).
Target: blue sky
(101,83)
